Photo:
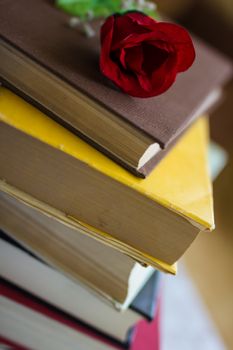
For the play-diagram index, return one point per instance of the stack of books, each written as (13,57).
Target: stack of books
(99,191)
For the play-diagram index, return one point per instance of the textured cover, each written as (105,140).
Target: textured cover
(40,31)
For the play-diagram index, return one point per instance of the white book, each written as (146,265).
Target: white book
(72,297)
(33,330)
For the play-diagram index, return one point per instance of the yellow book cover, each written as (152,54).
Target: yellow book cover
(180,183)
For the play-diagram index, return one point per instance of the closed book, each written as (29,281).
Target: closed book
(147,300)
(115,276)
(148,336)
(20,267)
(153,220)
(33,324)
(27,321)
(56,67)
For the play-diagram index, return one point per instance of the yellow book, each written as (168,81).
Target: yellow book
(153,220)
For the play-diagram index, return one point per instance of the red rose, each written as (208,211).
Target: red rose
(143,56)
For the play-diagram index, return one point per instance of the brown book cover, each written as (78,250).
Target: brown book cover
(39,30)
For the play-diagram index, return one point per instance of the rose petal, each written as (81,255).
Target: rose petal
(108,67)
(124,26)
(186,56)
(134,39)
(106,31)
(134,58)
(154,57)
(165,46)
(172,34)
(182,41)
(165,76)
(122,58)
(145,84)
(106,64)
(141,19)
(160,81)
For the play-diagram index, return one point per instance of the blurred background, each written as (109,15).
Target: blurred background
(205,281)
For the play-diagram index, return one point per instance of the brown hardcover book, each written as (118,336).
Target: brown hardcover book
(56,68)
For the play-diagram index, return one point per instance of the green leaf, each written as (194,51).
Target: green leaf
(81,8)
(99,8)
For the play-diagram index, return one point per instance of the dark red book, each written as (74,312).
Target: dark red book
(27,321)
(6,344)
(56,68)
(35,315)
(147,335)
